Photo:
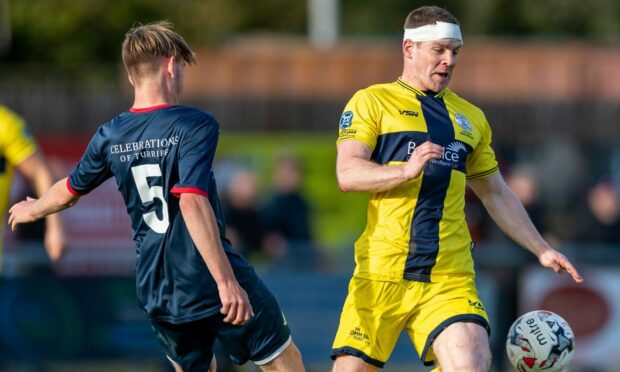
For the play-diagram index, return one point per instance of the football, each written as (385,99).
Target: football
(540,341)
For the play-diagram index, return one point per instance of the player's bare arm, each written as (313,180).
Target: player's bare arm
(53,200)
(200,220)
(509,214)
(40,177)
(356,172)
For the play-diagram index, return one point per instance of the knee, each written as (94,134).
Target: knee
(480,361)
(477,360)
(296,354)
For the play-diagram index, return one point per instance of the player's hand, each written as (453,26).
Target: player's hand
(235,304)
(22,213)
(559,263)
(420,157)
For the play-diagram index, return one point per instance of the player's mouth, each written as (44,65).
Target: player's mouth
(443,75)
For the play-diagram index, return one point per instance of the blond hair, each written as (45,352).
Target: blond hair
(144,45)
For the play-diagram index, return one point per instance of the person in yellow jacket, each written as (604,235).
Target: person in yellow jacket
(19,151)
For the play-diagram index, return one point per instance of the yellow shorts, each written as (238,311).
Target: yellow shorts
(376,312)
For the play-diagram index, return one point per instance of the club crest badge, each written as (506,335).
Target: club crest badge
(345,119)
(462,121)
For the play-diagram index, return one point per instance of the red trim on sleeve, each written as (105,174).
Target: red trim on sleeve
(149,109)
(71,189)
(177,191)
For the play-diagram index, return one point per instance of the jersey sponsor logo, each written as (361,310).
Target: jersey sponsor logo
(359,335)
(477,304)
(150,148)
(408,113)
(345,119)
(410,147)
(462,122)
(452,155)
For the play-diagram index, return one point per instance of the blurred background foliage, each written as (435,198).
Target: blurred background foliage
(68,37)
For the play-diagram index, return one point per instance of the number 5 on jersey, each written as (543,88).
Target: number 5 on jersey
(149,193)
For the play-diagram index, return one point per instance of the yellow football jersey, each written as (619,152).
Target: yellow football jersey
(417,230)
(16,145)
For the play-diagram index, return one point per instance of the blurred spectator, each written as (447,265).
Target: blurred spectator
(523,181)
(287,218)
(600,221)
(19,151)
(242,212)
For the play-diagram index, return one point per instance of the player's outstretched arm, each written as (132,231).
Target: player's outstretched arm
(36,171)
(53,200)
(508,212)
(202,226)
(355,171)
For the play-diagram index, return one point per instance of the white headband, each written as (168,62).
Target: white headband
(440,30)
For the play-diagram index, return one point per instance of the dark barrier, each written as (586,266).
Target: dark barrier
(45,318)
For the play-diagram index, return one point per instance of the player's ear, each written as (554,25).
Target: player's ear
(169,63)
(130,80)
(408,48)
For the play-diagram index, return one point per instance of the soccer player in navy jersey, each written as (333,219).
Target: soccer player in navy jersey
(415,145)
(190,282)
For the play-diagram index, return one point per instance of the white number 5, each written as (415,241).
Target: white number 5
(148,194)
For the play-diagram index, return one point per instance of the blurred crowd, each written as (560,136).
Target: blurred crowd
(271,226)
(589,214)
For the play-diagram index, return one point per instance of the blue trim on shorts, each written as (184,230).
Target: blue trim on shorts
(465,318)
(356,353)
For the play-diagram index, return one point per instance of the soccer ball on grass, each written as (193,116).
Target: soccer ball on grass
(540,341)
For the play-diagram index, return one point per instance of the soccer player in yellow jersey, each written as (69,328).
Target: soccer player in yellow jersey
(415,145)
(19,150)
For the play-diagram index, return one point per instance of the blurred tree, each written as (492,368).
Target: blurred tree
(70,36)
(66,35)
(595,19)
(68,31)
(5,26)
(375,18)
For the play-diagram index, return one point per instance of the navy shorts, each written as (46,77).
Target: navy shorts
(260,340)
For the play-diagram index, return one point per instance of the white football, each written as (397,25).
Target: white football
(540,341)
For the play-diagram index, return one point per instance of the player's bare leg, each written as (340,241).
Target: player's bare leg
(463,347)
(213,366)
(288,361)
(349,363)
(177,367)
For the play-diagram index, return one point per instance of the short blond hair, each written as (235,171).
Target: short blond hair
(144,45)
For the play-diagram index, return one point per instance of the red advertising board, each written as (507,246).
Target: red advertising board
(98,227)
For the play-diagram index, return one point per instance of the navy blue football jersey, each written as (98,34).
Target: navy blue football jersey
(155,155)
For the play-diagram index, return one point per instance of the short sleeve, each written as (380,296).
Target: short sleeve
(92,170)
(481,162)
(16,141)
(360,121)
(196,152)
